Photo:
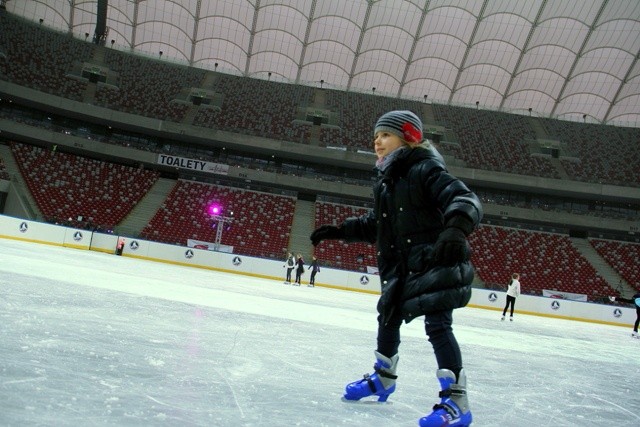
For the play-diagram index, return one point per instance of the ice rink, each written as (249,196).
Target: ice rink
(92,339)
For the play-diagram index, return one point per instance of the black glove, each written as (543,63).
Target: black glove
(326,232)
(451,246)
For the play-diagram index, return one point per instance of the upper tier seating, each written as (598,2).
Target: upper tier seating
(544,261)
(261,221)
(148,87)
(337,253)
(606,154)
(259,107)
(41,60)
(622,257)
(494,141)
(66,187)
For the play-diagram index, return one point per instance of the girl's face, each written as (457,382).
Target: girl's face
(385,142)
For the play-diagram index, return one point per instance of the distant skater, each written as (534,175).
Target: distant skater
(289,264)
(299,269)
(513,292)
(315,269)
(635,300)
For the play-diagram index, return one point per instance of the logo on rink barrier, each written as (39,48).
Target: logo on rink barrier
(188,254)
(364,280)
(77,236)
(24,227)
(555,305)
(134,245)
(493,297)
(617,313)
(236,261)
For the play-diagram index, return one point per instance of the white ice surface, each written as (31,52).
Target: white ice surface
(94,339)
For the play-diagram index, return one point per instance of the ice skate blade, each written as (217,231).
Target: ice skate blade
(365,402)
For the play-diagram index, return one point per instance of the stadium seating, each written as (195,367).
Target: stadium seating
(544,261)
(337,253)
(261,221)
(79,191)
(494,141)
(605,154)
(147,87)
(622,257)
(261,108)
(41,60)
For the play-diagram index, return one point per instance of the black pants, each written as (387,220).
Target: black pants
(312,279)
(437,327)
(510,301)
(289,270)
(635,325)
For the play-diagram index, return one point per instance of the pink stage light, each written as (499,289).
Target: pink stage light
(215,209)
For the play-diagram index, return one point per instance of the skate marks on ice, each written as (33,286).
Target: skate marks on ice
(90,338)
(634,417)
(82,354)
(549,372)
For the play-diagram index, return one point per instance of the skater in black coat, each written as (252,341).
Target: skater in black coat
(315,269)
(635,300)
(420,222)
(299,269)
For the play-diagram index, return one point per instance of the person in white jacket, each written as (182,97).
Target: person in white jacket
(513,292)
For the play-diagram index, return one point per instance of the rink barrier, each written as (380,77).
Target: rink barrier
(51,234)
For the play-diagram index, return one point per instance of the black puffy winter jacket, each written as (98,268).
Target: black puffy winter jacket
(413,200)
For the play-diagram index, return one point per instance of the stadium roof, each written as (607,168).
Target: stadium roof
(567,59)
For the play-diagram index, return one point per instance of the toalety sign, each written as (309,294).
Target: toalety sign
(193,164)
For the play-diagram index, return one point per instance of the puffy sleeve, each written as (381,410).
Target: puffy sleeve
(361,229)
(451,194)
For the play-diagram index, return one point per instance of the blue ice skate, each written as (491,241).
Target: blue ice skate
(381,383)
(453,409)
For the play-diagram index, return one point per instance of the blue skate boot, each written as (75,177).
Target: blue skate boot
(453,409)
(381,383)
